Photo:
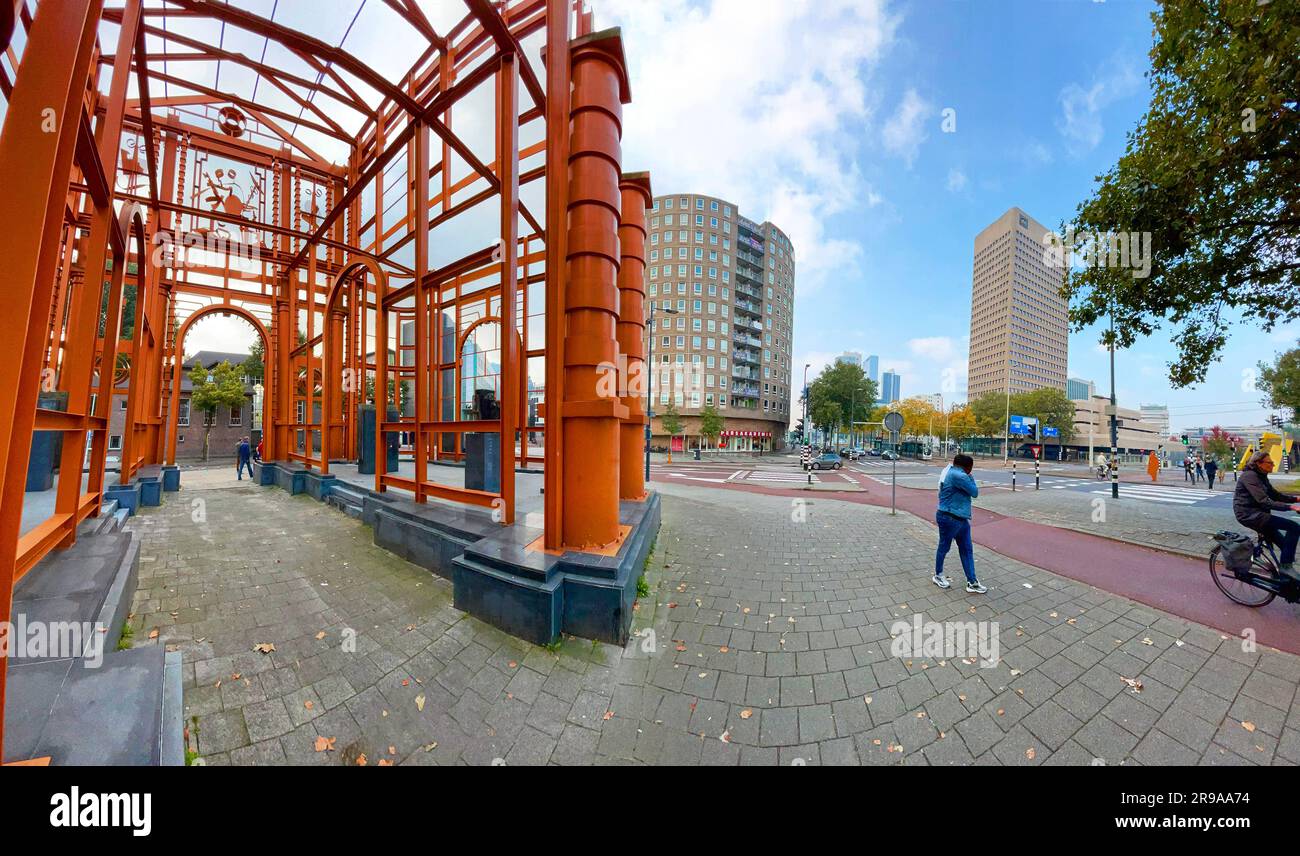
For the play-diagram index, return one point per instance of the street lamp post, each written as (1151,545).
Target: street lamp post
(1114,421)
(649,387)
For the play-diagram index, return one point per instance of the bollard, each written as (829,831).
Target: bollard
(1036,484)
(1013,475)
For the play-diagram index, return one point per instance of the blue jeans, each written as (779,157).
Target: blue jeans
(952,527)
(244,463)
(1285,534)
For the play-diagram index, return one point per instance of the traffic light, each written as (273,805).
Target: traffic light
(1185,440)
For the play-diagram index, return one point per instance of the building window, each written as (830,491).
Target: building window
(115,443)
(236,417)
(183,413)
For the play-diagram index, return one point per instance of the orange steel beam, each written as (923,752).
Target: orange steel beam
(508,179)
(557,159)
(39,132)
(591,412)
(78,361)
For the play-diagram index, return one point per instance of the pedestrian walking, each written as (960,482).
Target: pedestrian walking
(1200,470)
(258,450)
(953,518)
(1187,469)
(243,455)
(1211,468)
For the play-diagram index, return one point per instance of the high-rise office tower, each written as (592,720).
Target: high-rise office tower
(1018,326)
(871,365)
(891,384)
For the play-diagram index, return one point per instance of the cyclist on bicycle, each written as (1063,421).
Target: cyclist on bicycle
(1253,501)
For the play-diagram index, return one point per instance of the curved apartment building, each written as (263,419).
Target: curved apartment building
(722,290)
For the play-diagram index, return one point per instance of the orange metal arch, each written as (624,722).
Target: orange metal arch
(332,355)
(267,394)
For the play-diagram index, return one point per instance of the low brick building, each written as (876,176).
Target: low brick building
(229,425)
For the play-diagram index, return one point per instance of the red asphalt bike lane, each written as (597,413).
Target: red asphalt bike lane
(1168,581)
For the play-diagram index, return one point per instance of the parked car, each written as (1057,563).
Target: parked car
(827,461)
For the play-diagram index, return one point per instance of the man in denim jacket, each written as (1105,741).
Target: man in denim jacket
(953,517)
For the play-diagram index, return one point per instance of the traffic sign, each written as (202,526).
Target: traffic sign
(893,421)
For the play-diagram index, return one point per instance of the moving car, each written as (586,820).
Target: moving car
(889,455)
(827,461)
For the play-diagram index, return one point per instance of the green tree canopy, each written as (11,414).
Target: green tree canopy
(222,386)
(1280,382)
(255,365)
(1212,172)
(711,423)
(670,419)
(848,388)
(1049,406)
(826,415)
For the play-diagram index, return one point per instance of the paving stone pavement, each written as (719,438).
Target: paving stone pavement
(766,639)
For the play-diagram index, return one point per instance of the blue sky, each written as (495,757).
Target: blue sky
(826,118)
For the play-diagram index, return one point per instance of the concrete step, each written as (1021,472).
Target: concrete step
(347,498)
(119,519)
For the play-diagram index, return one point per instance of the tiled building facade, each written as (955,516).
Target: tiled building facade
(722,289)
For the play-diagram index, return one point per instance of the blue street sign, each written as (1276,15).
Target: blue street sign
(1049,431)
(1023,424)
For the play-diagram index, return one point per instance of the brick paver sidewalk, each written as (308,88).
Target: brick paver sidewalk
(766,640)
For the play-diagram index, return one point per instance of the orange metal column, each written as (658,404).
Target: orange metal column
(636,198)
(40,133)
(591,421)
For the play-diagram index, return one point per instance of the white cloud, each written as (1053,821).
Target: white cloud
(768,114)
(936,348)
(945,368)
(905,130)
(1080,120)
(956,180)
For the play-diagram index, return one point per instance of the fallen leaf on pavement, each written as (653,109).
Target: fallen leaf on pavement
(325,744)
(264,647)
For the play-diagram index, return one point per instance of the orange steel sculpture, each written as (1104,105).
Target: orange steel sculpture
(122,203)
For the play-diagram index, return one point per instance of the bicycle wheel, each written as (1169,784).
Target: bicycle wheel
(1238,590)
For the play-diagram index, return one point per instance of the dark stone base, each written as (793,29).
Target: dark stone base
(430,535)
(124,710)
(127,496)
(150,491)
(318,486)
(538,596)
(264,473)
(291,477)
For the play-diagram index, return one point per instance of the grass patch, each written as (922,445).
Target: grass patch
(190,757)
(642,587)
(128,633)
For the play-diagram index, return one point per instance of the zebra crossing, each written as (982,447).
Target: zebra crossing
(774,476)
(1156,493)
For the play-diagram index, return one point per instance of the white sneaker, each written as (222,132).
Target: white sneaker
(940,581)
(976,587)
